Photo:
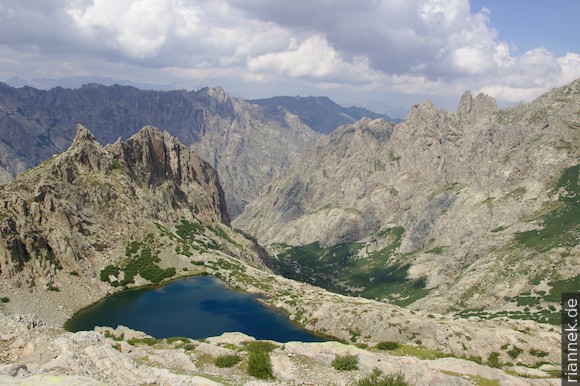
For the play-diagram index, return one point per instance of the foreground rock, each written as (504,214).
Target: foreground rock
(37,354)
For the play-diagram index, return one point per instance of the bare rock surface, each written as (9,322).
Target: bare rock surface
(55,357)
(246,143)
(90,207)
(464,187)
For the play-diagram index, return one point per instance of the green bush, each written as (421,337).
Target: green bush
(107,271)
(538,353)
(51,287)
(514,352)
(494,360)
(227,360)
(5,299)
(476,359)
(345,362)
(387,345)
(259,365)
(174,339)
(259,346)
(147,341)
(378,379)
(73,273)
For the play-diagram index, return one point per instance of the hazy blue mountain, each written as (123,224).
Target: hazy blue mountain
(320,113)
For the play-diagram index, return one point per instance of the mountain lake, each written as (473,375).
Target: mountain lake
(195,307)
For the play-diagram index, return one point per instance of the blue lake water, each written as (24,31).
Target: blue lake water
(196,307)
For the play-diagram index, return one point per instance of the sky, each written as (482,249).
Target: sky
(373,53)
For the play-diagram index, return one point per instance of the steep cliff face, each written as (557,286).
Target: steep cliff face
(247,144)
(454,196)
(90,207)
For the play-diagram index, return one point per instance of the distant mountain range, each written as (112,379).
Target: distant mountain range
(321,113)
(248,144)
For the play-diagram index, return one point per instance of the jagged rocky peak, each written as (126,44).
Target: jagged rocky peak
(157,158)
(465,103)
(483,106)
(85,150)
(81,205)
(216,92)
(83,135)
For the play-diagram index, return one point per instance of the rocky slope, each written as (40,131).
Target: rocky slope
(36,354)
(320,113)
(474,208)
(247,144)
(93,220)
(93,216)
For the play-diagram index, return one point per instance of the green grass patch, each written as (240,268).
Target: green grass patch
(145,341)
(494,360)
(181,339)
(436,250)
(538,353)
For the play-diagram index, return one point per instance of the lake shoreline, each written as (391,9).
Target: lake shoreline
(201,306)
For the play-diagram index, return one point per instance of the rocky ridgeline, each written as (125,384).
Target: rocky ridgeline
(246,143)
(461,184)
(62,222)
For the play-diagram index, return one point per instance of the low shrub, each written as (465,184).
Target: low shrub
(259,365)
(538,353)
(4,299)
(387,345)
(494,360)
(345,362)
(147,341)
(378,379)
(259,346)
(174,339)
(227,360)
(514,352)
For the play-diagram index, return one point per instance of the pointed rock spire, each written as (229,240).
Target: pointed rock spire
(83,135)
(465,103)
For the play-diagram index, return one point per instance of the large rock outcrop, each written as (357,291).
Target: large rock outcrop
(467,188)
(62,222)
